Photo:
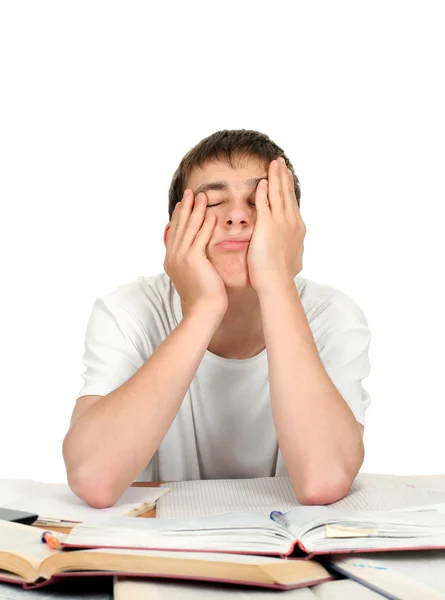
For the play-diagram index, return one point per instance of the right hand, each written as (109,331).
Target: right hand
(195,278)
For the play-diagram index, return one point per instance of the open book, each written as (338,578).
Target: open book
(24,559)
(304,532)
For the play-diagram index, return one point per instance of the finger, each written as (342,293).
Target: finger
(287,182)
(183,218)
(293,205)
(262,197)
(173,225)
(194,223)
(276,199)
(204,234)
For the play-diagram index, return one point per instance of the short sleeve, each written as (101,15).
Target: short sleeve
(112,349)
(344,351)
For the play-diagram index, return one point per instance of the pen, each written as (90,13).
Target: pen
(50,539)
(279,518)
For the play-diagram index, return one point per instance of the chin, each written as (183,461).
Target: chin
(239,280)
(233,271)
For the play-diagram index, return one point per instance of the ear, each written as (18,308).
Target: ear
(166,233)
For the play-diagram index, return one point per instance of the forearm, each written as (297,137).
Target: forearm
(112,442)
(318,435)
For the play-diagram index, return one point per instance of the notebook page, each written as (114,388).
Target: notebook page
(411,574)
(342,590)
(426,567)
(189,499)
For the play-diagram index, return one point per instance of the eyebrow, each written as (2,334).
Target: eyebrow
(223,186)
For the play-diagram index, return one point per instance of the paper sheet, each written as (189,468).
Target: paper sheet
(403,574)
(189,499)
(57,501)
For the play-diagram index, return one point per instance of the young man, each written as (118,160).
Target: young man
(228,365)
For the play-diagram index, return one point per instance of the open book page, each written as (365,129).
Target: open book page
(57,501)
(188,499)
(321,528)
(364,522)
(232,532)
(26,542)
(8,576)
(142,589)
(413,575)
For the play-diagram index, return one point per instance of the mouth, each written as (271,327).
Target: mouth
(228,245)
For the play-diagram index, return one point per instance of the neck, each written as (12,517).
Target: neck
(240,333)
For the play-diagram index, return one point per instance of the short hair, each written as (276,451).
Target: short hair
(223,145)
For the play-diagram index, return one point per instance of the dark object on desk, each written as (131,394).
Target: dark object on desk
(18,516)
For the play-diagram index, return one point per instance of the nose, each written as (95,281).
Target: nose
(239,216)
(235,220)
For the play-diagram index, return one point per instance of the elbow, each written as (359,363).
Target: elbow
(326,492)
(330,487)
(96,492)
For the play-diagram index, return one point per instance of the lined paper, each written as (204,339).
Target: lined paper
(190,499)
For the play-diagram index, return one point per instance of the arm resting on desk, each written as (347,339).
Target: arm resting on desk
(112,438)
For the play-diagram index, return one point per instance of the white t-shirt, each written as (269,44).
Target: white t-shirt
(224,427)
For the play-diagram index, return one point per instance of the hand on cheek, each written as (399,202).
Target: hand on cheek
(275,252)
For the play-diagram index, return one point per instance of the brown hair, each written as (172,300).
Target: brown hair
(222,145)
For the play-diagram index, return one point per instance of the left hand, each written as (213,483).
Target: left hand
(276,248)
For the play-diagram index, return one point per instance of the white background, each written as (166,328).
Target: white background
(100,101)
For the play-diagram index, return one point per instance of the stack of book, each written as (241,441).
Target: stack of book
(385,539)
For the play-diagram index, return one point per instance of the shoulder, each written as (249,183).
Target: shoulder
(144,310)
(142,297)
(325,304)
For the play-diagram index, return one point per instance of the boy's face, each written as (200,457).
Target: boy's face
(235,212)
